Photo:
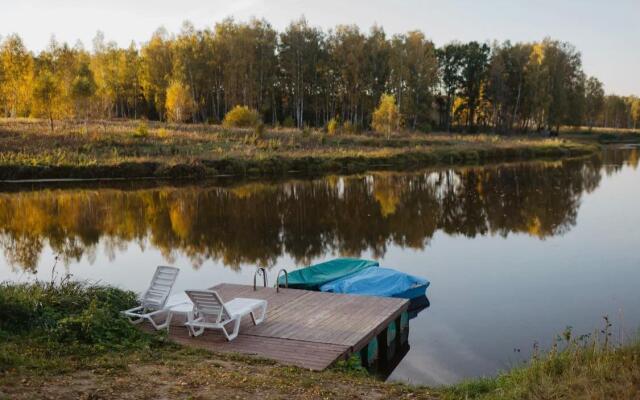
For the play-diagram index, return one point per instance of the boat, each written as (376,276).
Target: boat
(314,276)
(382,282)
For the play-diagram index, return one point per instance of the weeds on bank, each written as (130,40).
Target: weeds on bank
(587,366)
(28,142)
(64,324)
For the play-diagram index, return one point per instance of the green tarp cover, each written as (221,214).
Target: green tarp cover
(314,276)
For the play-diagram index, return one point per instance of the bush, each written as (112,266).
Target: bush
(96,325)
(289,122)
(69,312)
(425,127)
(349,127)
(162,133)
(332,126)
(18,310)
(142,130)
(259,130)
(241,117)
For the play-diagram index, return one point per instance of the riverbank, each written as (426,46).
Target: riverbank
(602,135)
(134,149)
(67,340)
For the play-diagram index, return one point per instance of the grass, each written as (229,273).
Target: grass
(128,149)
(603,135)
(589,366)
(66,340)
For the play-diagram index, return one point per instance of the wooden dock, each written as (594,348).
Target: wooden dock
(303,328)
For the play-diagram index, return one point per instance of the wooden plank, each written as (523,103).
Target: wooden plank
(312,316)
(309,355)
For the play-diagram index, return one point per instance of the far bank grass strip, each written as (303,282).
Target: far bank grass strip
(281,165)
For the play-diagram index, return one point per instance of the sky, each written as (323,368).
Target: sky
(606,32)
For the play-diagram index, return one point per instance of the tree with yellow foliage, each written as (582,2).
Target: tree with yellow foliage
(156,65)
(386,118)
(635,111)
(179,104)
(47,96)
(17,71)
(83,88)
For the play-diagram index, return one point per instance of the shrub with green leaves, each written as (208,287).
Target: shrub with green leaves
(289,122)
(68,313)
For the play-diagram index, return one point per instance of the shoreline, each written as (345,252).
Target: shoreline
(68,340)
(282,166)
(129,149)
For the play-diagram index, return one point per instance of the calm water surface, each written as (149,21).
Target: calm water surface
(515,253)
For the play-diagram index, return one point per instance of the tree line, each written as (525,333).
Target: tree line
(305,76)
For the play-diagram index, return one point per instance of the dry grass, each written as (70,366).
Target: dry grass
(176,373)
(599,130)
(29,142)
(584,367)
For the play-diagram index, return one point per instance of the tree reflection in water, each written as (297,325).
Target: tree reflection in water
(258,222)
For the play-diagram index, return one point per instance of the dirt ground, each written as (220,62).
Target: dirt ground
(210,379)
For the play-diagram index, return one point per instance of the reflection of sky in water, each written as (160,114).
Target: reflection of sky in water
(490,294)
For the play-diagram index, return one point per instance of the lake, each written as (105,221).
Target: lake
(515,252)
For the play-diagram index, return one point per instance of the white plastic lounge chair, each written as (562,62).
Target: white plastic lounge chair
(154,300)
(210,312)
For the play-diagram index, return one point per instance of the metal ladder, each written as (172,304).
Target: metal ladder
(262,271)
(286,280)
(259,271)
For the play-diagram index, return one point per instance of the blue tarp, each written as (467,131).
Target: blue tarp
(314,276)
(383,282)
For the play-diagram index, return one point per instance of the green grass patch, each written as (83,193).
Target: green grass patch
(45,325)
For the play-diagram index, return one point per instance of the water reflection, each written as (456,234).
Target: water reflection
(381,360)
(256,223)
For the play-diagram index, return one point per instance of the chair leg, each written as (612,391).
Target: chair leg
(193,332)
(263,314)
(236,329)
(198,332)
(162,325)
(134,319)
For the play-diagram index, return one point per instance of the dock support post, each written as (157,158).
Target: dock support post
(403,325)
(397,341)
(364,357)
(383,346)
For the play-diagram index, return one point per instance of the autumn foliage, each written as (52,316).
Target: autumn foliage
(386,118)
(241,117)
(304,76)
(179,103)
